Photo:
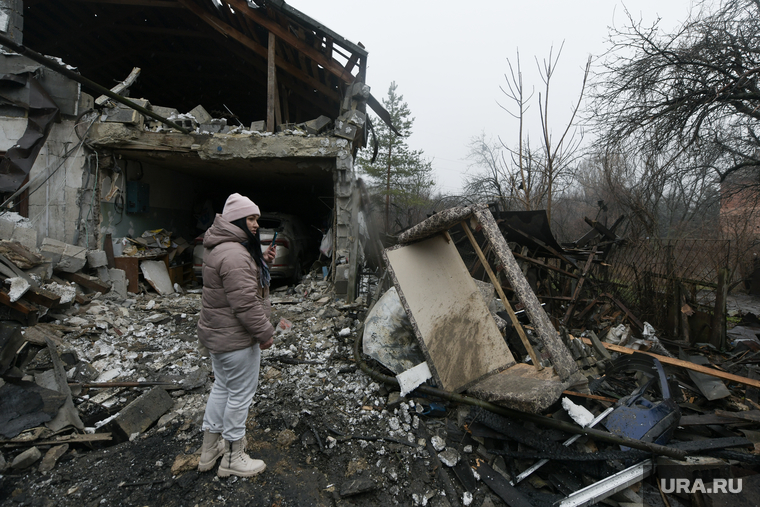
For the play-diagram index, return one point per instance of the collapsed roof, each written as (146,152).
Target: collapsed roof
(212,52)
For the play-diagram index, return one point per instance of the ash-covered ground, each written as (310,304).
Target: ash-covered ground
(324,428)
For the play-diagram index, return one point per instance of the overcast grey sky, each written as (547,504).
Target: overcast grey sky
(449,59)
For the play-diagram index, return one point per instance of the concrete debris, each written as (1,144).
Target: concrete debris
(26,459)
(412,378)
(139,379)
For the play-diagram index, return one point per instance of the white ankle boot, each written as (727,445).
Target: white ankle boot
(211,450)
(236,462)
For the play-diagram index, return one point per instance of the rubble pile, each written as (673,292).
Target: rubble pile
(103,397)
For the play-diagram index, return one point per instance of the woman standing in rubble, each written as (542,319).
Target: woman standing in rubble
(234,326)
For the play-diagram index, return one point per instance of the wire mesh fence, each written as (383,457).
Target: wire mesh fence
(654,276)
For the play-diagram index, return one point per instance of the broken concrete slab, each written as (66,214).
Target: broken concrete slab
(6,228)
(521,387)
(22,256)
(26,236)
(26,459)
(52,249)
(157,276)
(357,486)
(96,258)
(118,278)
(354,117)
(317,125)
(52,456)
(139,415)
(200,114)
(103,275)
(73,259)
(19,286)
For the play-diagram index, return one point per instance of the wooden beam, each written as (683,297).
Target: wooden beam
(89,282)
(578,288)
(19,310)
(42,297)
(170,4)
(544,265)
(194,34)
(271,83)
(66,439)
(504,300)
(683,364)
(330,65)
(260,50)
(590,396)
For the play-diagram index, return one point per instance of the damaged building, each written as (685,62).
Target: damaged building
(124,117)
(485,364)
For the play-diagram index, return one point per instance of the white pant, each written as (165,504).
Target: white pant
(236,377)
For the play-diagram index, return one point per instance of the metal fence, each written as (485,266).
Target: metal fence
(652,277)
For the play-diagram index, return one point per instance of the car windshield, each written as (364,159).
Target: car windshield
(269,223)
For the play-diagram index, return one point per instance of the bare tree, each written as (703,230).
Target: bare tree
(686,101)
(519,175)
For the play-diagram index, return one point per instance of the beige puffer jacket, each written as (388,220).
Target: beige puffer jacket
(235,308)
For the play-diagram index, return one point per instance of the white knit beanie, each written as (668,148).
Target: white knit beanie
(238,206)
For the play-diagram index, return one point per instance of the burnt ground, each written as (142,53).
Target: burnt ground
(330,435)
(321,424)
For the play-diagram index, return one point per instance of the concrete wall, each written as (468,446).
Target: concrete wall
(54,206)
(12,19)
(169,205)
(345,235)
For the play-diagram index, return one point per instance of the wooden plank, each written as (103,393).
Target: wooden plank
(36,335)
(504,300)
(578,288)
(108,249)
(544,265)
(257,48)
(683,364)
(20,305)
(500,485)
(90,282)
(590,396)
(718,335)
(69,439)
(712,444)
(705,419)
(10,267)
(22,311)
(271,83)
(630,315)
(750,415)
(130,265)
(284,34)
(602,229)
(42,297)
